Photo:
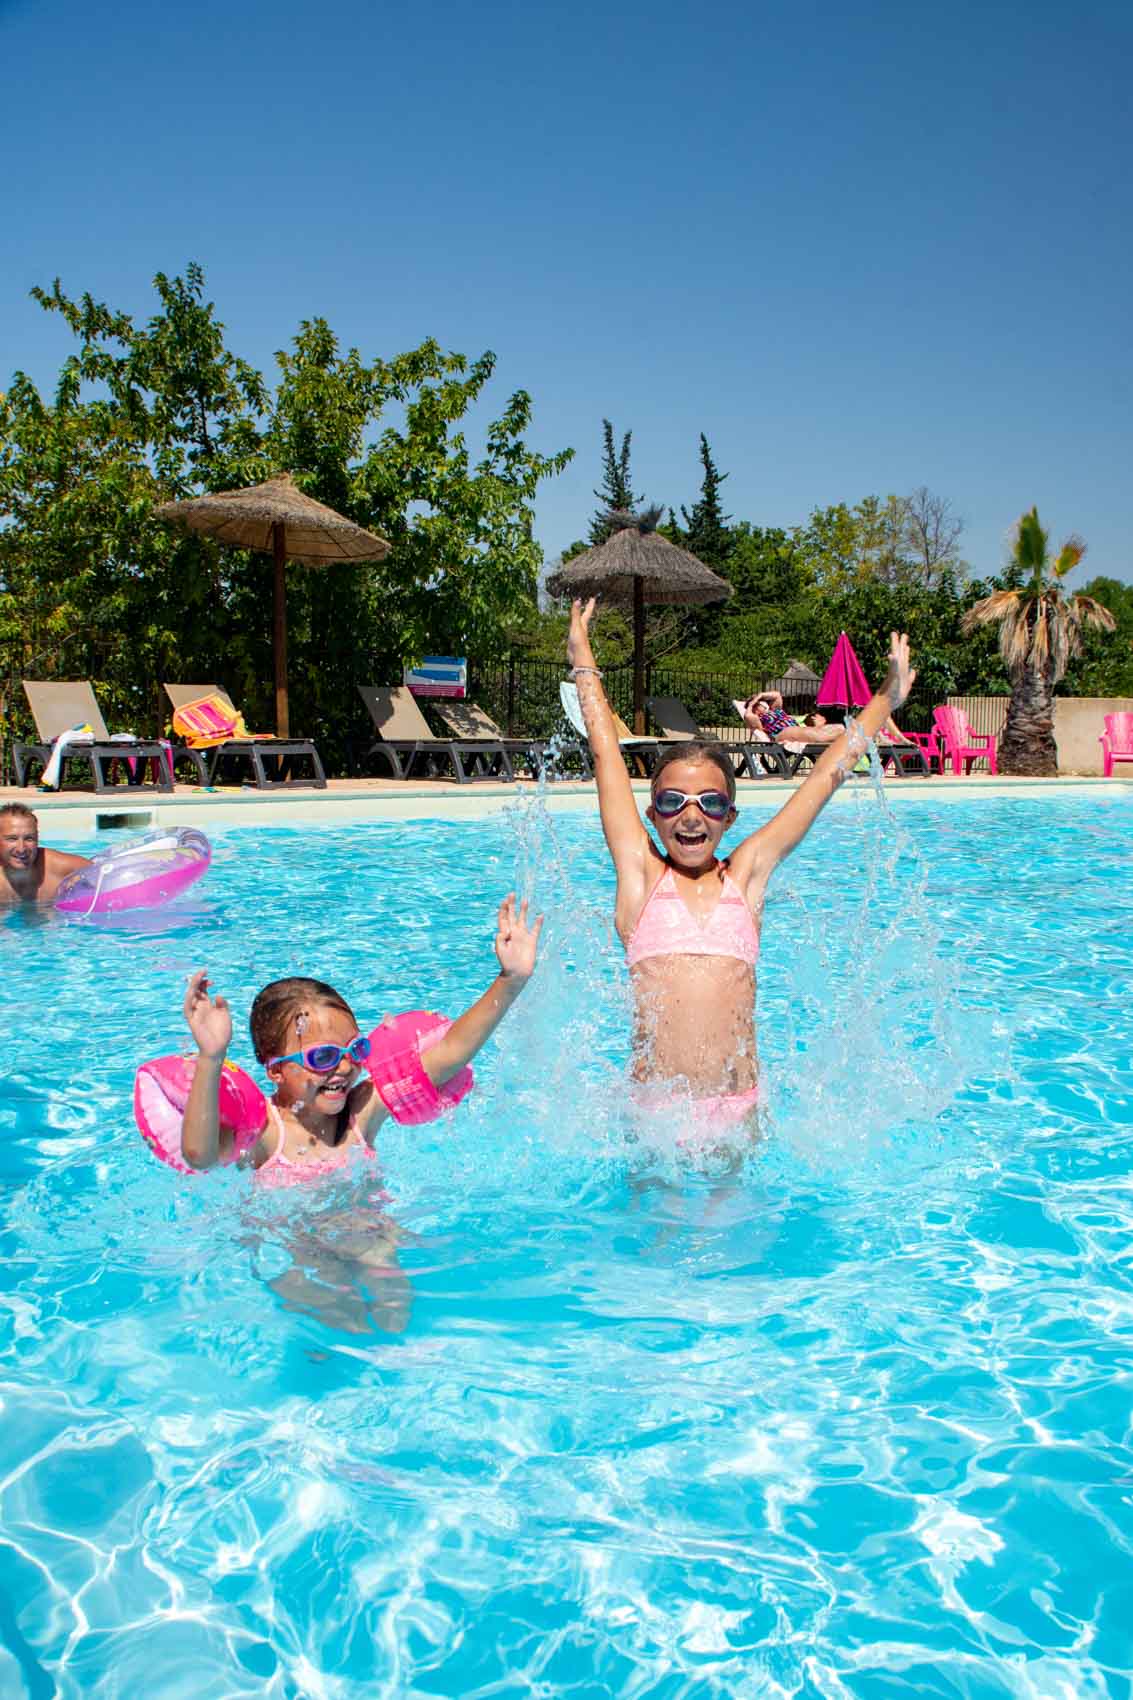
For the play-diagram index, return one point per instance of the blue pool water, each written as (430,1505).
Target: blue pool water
(853,1422)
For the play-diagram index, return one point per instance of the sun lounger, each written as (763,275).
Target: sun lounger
(798,750)
(900,757)
(906,757)
(641,754)
(58,706)
(469,724)
(407,744)
(245,750)
(756,757)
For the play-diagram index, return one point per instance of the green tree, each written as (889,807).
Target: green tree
(82,563)
(1105,667)
(616,492)
(881,540)
(707,533)
(766,568)
(91,582)
(902,540)
(1040,629)
(771,585)
(829,545)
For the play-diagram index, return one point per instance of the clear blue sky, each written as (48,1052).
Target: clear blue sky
(862,248)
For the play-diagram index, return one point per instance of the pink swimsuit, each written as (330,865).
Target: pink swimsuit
(667,927)
(281,1170)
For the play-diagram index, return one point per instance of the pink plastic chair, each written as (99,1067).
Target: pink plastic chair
(928,743)
(1116,741)
(961,744)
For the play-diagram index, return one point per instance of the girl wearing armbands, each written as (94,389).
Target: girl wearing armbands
(333,1085)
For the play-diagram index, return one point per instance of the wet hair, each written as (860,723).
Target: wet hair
(20,809)
(696,749)
(278,1004)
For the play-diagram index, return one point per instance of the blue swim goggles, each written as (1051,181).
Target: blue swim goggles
(324,1059)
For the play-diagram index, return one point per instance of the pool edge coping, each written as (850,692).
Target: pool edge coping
(89,813)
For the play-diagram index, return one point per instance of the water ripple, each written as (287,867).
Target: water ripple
(853,1421)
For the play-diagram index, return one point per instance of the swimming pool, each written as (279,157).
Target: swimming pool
(853,1423)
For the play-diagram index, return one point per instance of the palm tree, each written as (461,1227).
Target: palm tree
(1040,629)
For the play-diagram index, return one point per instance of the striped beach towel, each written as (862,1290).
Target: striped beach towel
(210,721)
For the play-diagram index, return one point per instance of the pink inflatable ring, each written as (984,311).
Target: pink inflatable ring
(137,875)
(161,1092)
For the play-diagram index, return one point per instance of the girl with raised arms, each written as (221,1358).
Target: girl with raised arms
(688,918)
(332,1085)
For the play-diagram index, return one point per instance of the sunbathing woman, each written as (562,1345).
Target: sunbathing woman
(765,713)
(688,919)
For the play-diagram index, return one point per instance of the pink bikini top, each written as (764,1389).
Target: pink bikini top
(280,1170)
(667,927)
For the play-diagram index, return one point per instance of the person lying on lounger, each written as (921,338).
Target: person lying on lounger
(765,713)
(29,873)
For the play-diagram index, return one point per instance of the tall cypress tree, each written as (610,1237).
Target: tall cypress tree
(616,494)
(707,533)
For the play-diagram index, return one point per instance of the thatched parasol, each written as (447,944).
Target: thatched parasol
(277,518)
(799,683)
(636,566)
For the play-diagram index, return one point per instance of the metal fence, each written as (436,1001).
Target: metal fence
(522,695)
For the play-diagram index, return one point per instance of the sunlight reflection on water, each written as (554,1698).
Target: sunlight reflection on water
(853,1422)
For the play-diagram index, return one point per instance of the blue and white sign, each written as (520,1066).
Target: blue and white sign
(439,676)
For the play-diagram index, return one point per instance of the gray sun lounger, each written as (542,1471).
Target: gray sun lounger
(408,746)
(640,755)
(469,724)
(285,754)
(903,756)
(751,757)
(59,704)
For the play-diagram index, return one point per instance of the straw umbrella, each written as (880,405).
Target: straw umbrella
(634,567)
(799,682)
(280,520)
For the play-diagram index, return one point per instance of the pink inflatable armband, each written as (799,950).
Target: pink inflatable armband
(397,1046)
(161,1092)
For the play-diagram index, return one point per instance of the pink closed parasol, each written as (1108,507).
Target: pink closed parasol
(843,681)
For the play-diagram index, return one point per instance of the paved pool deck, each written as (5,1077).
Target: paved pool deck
(353,801)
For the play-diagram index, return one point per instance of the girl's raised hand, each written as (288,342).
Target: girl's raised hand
(210,1019)
(516,942)
(900,677)
(579,652)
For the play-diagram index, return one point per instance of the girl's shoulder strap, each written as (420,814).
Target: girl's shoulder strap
(749,867)
(275,1122)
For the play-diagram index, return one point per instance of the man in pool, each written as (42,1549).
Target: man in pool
(28,872)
